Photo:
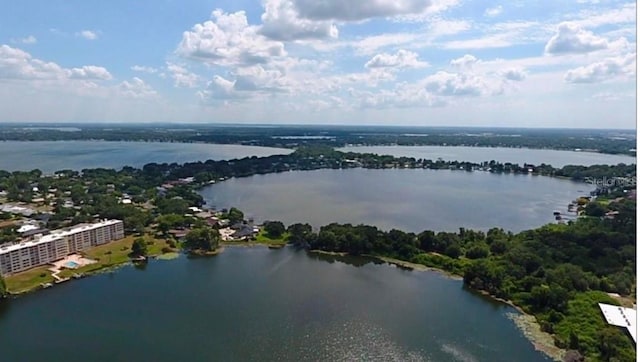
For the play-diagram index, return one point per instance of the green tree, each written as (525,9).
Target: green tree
(205,239)
(594,209)
(300,233)
(235,215)
(139,247)
(3,288)
(274,229)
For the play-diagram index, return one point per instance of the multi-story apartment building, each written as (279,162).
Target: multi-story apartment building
(57,245)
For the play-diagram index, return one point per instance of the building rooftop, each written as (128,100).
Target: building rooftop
(56,234)
(621,317)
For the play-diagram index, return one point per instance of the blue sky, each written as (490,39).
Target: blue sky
(569,63)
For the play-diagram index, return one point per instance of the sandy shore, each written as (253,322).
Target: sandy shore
(542,341)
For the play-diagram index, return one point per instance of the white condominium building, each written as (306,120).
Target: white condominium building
(57,245)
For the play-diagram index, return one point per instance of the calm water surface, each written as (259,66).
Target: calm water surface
(51,156)
(255,304)
(410,200)
(499,154)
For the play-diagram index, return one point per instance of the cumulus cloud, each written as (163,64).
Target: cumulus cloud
(220,88)
(229,40)
(603,70)
(246,83)
(402,59)
(18,64)
(515,74)
(495,11)
(281,21)
(89,72)
(87,34)
(136,88)
(358,10)
(181,76)
(465,62)
(571,38)
(455,84)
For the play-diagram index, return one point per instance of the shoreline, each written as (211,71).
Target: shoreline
(142,140)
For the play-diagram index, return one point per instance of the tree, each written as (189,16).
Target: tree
(205,239)
(594,209)
(300,233)
(139,247)
(3,288)
(235,215)
(274,229)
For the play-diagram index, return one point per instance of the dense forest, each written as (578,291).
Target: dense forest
(604,141)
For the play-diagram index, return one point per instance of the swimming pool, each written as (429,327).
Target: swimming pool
(71,264)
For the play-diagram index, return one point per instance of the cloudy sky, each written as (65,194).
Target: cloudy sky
(530,63)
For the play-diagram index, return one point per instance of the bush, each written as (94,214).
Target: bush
(166,249)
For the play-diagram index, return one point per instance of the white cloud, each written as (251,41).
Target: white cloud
(625,14)
(87,34)
(604,70)
(144,69)
(502,35)
(20,65)
(456,84)
(439,27)
(358,10)
(494,11)
(515,74)
(26,40)
(571,38)
(220,88)
(403,96)
(137,89)
(246,83)
(89,72)
(181,76)
(281,21)
(465,62)
(401,59)
(371,44)
(229,40)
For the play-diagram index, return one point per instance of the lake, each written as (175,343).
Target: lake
(406,199)
(256,304)
(51,156)
(520,156)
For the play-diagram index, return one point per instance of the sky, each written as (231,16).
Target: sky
(517,63)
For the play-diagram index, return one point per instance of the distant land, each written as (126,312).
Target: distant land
(292,136)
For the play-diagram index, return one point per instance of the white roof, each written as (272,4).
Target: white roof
(621,317)
(57,234)
(27,227)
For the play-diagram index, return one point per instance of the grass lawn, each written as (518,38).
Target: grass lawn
(263,238)
(27,280)
(114,253)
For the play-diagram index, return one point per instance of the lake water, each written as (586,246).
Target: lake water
(410,200)
(51,156)
(256,304)
(499,154)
